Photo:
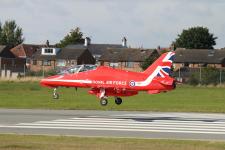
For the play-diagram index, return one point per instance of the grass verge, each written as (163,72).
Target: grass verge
(36,142)
(183,99)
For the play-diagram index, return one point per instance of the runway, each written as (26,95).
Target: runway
(195,126)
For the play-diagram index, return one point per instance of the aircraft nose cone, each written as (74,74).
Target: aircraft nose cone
(43,82)
(49,80)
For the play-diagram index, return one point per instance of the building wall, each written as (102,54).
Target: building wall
(12,62)
(191,65)
(39,66)
(122,65)
(85,58)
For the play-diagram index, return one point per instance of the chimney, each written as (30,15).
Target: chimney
(172,46)
(159,48)
(47,43)
(87,41)
(124,42)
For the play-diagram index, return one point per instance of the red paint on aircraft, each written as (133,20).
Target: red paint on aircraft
(106,81)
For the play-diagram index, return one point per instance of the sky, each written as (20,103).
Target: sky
(145,23)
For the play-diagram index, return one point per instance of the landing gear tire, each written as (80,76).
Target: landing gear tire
(118,100)
(103,101)
(55,96)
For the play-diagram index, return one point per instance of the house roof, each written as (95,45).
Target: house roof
(64,53)
(5,52)
(95,49)
(25,50)
(126,54)
(2,47)
(211,56)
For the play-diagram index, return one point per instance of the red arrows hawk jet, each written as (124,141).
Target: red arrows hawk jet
(106,81)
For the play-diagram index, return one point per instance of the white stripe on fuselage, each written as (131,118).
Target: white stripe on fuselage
(66,80)
(149,79)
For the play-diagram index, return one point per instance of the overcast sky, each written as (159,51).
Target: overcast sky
(145,23)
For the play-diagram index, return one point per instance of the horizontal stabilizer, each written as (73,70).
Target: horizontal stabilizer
(165,81)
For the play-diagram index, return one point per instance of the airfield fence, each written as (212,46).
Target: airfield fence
(201,75)
(193,76)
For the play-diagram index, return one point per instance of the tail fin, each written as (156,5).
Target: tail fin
(164,62)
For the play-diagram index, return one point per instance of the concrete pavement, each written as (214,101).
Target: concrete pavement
(133,124)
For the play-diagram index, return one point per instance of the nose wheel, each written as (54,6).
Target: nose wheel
(55,94)
(118,100)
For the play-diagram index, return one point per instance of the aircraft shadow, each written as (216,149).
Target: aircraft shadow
(153,119)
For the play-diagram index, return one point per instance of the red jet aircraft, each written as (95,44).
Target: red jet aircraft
(106,81)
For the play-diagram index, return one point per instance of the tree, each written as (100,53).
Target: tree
(0,33)
(150,60)
(11,34)
(196,38)
(74,37)
(147,62)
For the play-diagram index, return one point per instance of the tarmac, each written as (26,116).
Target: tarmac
(129,124)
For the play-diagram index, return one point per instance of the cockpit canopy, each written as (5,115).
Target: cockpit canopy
(78,68)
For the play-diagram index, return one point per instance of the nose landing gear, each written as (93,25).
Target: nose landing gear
(55,94)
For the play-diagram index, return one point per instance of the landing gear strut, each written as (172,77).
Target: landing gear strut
(118,100)
(55,94)
(103,98)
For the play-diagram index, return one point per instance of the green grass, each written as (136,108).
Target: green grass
(183,99)
(35,142)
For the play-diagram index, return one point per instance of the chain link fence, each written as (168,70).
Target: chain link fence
(201,75)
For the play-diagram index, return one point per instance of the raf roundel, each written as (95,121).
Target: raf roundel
(132,83)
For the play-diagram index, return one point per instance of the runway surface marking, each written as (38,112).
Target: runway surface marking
(127,124)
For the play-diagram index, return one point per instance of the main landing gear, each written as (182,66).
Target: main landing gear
(55,94)
(104,101)
(118,100)
(103,97)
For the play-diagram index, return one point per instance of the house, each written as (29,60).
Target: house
(195,58)
(9,63)
(5,52)
(97,49)
(25,51)
(127,58)
(8,60)
(48,58)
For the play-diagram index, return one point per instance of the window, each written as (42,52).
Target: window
(28,61)
(113,65)
(129,64)
(46,63)
(34,62)
(186,64)
(61,62)
(48,50)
